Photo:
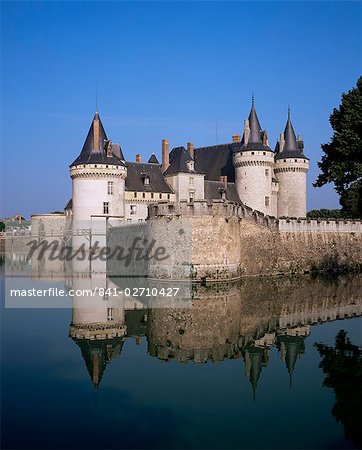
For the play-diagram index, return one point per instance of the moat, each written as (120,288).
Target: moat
(265,363)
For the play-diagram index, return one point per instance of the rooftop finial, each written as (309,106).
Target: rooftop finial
(288,112)
(252,99)
(96,95)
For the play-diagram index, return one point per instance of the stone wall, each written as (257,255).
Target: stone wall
(230,241)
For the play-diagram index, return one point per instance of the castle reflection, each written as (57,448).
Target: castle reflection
(236,321)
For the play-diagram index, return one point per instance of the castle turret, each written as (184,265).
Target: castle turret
(253,162)
(98,180)
(291,167)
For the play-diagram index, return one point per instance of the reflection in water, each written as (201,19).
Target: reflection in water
(262,327)
(342,365)
(238,321)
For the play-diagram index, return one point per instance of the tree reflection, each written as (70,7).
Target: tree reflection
(342,365)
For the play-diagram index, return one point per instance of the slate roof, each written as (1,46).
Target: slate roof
(153,159)
(292,148)
(255,141)
(179,157)
(90,155)
(136,173)
(213,191)
(69,205)
(217,160)
(97,355)
(254,124)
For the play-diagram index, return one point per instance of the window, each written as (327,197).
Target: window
(133,209)
(160,195)
(266,201)
(168,196)
(151,194)
(295,160)
(252,153)
(105,207)
(110,187)
(146,181)
(192,180)
(266,172)
(143,194)
(135,195)
(110,314)
(264,153)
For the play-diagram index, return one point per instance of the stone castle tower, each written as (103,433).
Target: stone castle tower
(291,167)
(254,164)
(271,182)
(98,180)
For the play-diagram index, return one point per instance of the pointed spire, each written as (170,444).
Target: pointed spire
(153,159)
(289,136)
(254,124)
(95,146)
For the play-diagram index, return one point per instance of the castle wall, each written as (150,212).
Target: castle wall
(229,241)
(48,224)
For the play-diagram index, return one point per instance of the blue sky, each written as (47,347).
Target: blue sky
(165,70)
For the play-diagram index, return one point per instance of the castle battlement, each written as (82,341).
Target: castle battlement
(294,225)
(216,208)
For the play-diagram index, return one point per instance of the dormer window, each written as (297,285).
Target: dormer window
(190,165)
(108,147)
(145,179)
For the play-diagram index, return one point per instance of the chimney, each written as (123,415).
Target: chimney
(281,142)
(224,179)
(165,155)
(246,131)
(139,157)
(265,138)
(190,149)
(96,132)
(236,138)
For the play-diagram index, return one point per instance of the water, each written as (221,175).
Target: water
(239,369)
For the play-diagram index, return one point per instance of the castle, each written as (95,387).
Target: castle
(246,171)
(222,211)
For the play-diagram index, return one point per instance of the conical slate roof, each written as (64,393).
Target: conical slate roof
(97,354)
(255,141)
(291,148)
(290,144)
(254,124)
(94,150)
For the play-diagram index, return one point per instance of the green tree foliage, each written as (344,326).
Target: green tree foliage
(341,163)
(2,226)
(342,366)
(325,214)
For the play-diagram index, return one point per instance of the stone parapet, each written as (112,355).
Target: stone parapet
(294,225)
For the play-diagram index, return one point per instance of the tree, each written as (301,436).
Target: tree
(341,163)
